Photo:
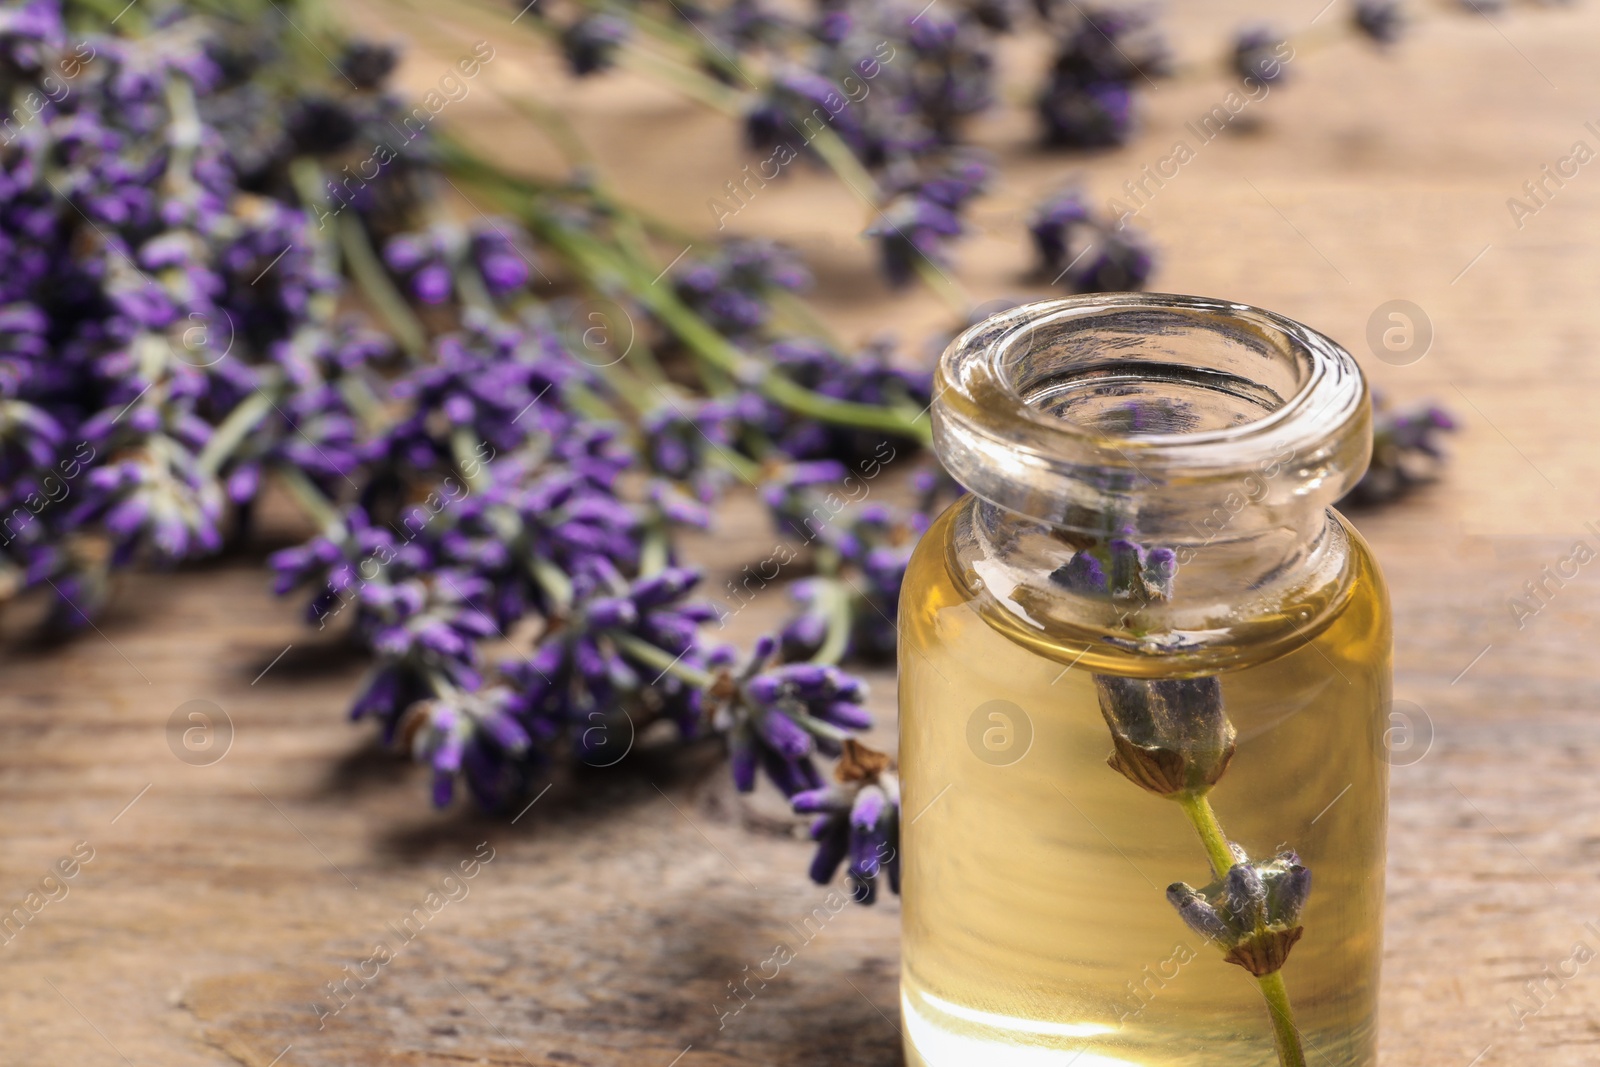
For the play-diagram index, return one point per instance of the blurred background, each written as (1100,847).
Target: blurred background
(1426,201)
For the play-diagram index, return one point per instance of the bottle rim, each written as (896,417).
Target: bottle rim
(996,437)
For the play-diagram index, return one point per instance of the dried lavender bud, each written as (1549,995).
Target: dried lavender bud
(1196,912)
(1053,224)
(1081,574)
(1252,912)
(1406,453)
(1087,101)
(591,43)
(321,126)
(1171,735)
(367,63)
(1381,21)
(1258,54)
(859,820)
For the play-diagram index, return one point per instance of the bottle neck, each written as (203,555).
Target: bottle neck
(1127,604)
(1152,475)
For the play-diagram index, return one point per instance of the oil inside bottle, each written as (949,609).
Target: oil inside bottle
(1037,932)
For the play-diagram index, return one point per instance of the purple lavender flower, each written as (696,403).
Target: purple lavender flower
(475,737)
(367,63)
(500,251)
(952,77)
(1252,912)
(777,719)
(608,656)
(1258,54)
(496,384)
(682,450)
(731,290)
(1054,222)
(857,820)
(29,33)
(1087,101)
(153,501)
(591,43)
(872,375)
(1381,21)
(321,126)
(1117,260)
(423,260)
(922,214)
(1406,453)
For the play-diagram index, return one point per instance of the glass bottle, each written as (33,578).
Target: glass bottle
(1144,682)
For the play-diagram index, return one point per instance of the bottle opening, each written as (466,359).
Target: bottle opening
(1140,370)
(1092,403)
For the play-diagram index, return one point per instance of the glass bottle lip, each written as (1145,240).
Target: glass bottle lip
(1006,448)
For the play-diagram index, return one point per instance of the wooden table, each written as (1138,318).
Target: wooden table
(221,899)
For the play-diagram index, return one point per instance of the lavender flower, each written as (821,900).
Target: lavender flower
(1252,912)
(1054,222)
(368,64)
(731,291)
(1087,254)
(1171,735)
(857,819)
(1258,54)
(779,718)
(872,375)
(1406,453)
(603,658)
(922,214)
(1087,102)
(1120,568)
(591,43)
(473,736)
(423,260)
(1381,21)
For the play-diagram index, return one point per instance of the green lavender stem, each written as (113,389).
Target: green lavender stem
(1290,1054)
(661,659)
(1204,818)
(232,431)
(1199,810)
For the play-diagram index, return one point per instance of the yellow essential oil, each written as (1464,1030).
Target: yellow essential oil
(1036,923)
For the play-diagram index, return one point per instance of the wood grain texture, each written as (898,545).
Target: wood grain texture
(618,908)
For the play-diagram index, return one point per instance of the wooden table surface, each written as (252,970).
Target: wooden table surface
(221,899)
